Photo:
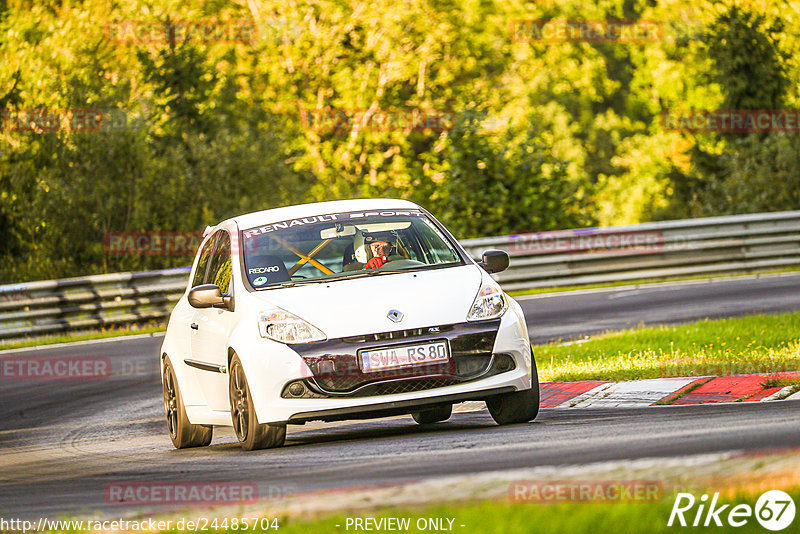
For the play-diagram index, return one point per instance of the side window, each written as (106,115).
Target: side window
(405,245)
(220,271)
(435,243)
(200,273)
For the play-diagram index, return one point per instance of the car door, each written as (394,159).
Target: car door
(211,328)
(183,314)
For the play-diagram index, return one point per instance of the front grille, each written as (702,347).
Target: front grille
(335,365)
(405,386)
(311,388)
(399,334)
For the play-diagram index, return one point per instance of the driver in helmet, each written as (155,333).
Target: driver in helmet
(371,250)
(380,247)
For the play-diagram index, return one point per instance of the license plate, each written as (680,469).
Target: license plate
(405,356)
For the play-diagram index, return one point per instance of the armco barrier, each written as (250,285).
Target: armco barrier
(546,259)
(651,250)
(36,308)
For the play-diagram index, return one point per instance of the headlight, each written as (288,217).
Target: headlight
(489,304)
(285,327)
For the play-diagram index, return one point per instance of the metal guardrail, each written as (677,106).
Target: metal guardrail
(689,247)
(37,308)
(547,259)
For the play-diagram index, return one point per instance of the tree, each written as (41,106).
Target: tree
(750,172)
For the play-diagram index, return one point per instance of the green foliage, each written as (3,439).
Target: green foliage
(752,172)
(743,345)
(748,62)
(543,135)
(491,185)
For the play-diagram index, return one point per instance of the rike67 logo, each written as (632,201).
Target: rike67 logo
(774,510)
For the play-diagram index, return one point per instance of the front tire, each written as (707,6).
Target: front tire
(249,432)
(517,406)
(434,415)
(182,433)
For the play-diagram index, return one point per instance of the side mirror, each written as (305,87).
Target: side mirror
(494,261)
(209,296)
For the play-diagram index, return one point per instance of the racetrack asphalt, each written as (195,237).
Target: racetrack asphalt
(62,442)
(574,314)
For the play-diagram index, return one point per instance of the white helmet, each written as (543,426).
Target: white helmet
(360,249)
(362,241)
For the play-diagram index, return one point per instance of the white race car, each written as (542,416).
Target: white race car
(340,310)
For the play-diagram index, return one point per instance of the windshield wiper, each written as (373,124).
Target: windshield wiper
(373,272)
(295,283)
(361,274)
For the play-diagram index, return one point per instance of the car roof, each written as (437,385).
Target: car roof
(260,218)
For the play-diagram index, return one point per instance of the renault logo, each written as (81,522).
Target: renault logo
(395,316)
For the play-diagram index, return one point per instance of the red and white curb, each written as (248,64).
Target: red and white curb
(628,394)
(648,392)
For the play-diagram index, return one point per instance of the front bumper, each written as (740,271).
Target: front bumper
(285,364)
(333,409)
(398,407)
(336,372)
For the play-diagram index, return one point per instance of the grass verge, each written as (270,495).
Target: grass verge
(82,336)
(504,517)
(753,344)
(779,382)
(793,383)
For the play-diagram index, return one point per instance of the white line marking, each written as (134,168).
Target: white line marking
(795,397)
(629,394)
(781,394)
(654,285)
(87,342)
(470,406)
(597,390)
(575,342)
(623,294)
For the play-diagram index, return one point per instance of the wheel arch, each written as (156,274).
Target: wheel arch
(190,389)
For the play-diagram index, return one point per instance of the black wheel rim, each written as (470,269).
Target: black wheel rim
(239,401)
(170,402)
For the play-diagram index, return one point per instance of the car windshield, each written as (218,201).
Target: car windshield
(344,245)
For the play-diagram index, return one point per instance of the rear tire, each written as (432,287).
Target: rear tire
(249,432)
(182,433)
(434,415)
(517,406)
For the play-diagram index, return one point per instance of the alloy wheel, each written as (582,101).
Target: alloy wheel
(170,402)
(239,401)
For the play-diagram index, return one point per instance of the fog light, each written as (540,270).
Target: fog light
(325,367)
(504,363)
(297,389)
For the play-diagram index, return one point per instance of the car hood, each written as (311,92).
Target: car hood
(360,306)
